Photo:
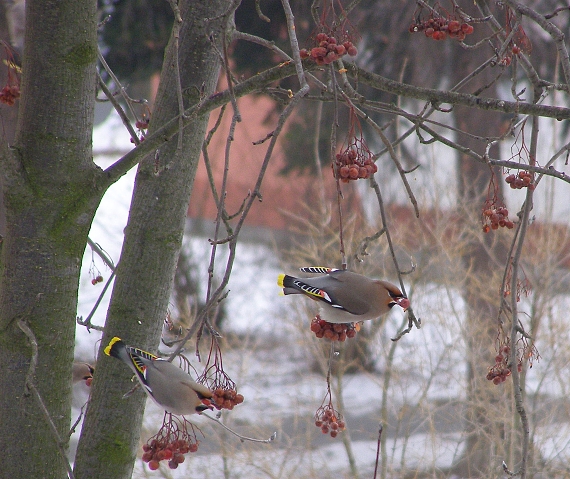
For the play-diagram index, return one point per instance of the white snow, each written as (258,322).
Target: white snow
(271,367)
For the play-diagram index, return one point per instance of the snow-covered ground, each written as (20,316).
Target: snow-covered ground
(270,359)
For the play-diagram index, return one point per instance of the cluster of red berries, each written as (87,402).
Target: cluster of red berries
(332,331)
(497,217)
(350,165)
(173,452)
(522,179)
(226,398)
(439,28)
(97,279)
(142,124)
(328,50)
(9,94)
(329,420)
(500,371)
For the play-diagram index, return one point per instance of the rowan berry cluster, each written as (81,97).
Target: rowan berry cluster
(440,28)
(328,49)
(329,420)
(332,331)
(9,94)
(520,180)
(500,371)
(352,164)
(97,279)
(226,398)
(495,217)
(142,124)
(161,450)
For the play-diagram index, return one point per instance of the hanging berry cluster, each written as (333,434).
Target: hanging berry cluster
(9,94)
(500,371)
(440,24)
(494,214)
(225,395)
(440,28)
(97,279)
(226,398)
(11,91)
(328,50)
(329,420)
(495,217)
(175,438)
(355,160)
(333,331)
(354,163)
(521,180)
(519,41)
(334,37)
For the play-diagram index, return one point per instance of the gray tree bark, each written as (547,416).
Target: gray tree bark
(153,238)
(49,199)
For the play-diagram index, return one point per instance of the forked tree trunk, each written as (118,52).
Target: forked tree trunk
(153,236)
(49,200)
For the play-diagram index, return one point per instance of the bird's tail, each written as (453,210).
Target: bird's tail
(287,283)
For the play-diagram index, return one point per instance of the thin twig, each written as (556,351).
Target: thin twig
(241,437)
(30,386)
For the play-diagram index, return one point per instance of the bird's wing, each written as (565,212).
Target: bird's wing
(318,270)
(338,295)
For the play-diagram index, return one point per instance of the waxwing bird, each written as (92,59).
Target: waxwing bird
(169,386)
(82,372)
(344,296)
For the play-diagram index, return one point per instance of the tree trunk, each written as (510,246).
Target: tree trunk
(49,203)
(153,238)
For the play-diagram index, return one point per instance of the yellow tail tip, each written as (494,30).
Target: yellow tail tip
(110,346)
(280,280)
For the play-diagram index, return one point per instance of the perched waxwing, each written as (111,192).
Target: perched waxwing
(345,297)
(168,385)
(82,372)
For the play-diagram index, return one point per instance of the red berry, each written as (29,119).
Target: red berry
(352,51)
(318,52)
(334,433)
(153,465)
(353,173)
(428,32)
(304,53)
(172,464)
(340,50)
(454,26)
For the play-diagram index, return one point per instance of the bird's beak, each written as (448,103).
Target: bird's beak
(404,303)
